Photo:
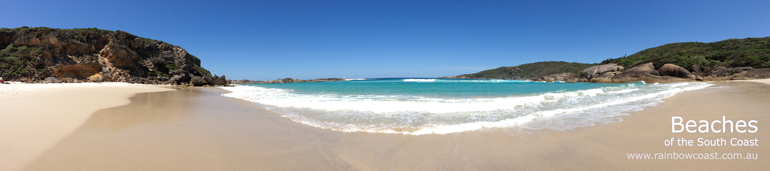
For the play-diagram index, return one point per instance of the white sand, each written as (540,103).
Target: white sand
(34,117)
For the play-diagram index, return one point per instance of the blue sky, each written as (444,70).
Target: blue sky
(265,40)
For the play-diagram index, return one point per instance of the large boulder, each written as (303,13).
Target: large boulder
(646,69)
(604,77)
(594,71)
(198,81)
(675,71)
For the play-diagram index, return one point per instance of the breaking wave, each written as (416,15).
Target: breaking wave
(417,115)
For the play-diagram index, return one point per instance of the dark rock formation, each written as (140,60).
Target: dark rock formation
(217,80)
(198,81)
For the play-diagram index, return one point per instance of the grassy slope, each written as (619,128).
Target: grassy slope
(531,70)
(748,52)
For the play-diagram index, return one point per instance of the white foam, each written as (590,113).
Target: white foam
(419,80)
(418,115)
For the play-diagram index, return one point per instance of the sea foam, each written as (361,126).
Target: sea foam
(417,115)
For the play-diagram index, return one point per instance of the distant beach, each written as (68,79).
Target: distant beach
(141,127)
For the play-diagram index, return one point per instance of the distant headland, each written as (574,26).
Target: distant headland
(732,59)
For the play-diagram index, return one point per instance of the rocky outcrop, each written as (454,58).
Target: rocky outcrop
(644,72)
(647,69)
(604,77)
(217,81)
(198,81)
(594,71)
(673,73)
(561,77)
(93,55)
(647,73)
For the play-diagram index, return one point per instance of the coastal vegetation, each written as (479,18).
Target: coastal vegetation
(748,52)
(13,58)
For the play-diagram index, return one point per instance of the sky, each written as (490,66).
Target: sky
(266,40)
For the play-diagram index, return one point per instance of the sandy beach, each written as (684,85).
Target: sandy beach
(35,117)
(150,128)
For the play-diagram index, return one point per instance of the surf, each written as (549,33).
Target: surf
(441,106)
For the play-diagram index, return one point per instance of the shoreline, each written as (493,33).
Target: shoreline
(35,117)
(199,129)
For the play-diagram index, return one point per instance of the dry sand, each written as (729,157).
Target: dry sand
(34,117)
(197,129)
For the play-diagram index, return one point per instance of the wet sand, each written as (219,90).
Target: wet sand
(197,129)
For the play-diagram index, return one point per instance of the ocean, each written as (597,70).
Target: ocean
(420,106)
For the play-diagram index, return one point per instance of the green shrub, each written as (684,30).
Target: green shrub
(171,66)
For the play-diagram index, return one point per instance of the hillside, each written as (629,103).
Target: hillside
(44,54)
(528,71)
(748,52)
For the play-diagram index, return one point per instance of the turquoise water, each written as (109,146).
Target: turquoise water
(445,88)
(440,106)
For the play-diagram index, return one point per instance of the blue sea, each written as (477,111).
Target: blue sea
(438,106)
